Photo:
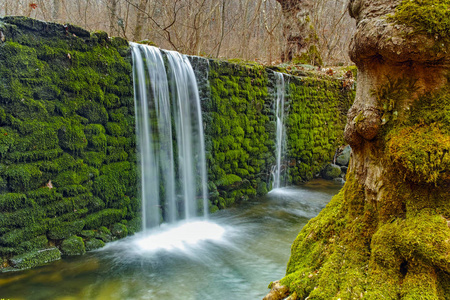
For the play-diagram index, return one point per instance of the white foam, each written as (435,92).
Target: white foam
(180,236)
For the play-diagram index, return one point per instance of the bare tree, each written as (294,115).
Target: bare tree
(245,29)
(113,20)
(140,19)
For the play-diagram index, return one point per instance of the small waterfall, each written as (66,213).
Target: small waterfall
(280,130)
(168,124)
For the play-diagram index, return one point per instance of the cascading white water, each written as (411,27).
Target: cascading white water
(280,131)
(158,105)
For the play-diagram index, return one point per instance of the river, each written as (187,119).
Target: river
(235,254)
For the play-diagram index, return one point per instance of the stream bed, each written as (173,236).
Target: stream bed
(234,254)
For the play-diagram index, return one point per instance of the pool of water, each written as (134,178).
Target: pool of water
(234,254)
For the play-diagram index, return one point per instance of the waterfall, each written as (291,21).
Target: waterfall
(168,124)
(280,131)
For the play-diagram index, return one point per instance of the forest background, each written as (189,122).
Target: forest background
(267,31)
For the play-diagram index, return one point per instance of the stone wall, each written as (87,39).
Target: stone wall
(67,141)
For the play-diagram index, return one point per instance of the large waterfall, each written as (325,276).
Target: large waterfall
(280,130)
(168,126)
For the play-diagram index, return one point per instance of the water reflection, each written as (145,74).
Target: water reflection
(232,256)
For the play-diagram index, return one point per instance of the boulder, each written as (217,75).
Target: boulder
(277,291)
(73,246)
(344,158)
(331,171)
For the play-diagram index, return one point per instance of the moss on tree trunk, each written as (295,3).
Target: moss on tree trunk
(386,235)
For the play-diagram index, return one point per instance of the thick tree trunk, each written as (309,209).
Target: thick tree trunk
(296,27)
(386,235)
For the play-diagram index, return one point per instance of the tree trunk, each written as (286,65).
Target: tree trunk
(296,28)
(140,20)
(386,235)
(113,25)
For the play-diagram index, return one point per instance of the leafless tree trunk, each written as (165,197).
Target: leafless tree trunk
(296,27)
(140,20)
(112,7)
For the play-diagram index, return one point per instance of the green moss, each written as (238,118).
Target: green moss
(16,236)
(94,244)
(58,93)
(422,151)
(14,201)
(394,247)
(104,218)
(119,230)
(23,177)
(71,137)
(332,241)
(314,124)
(430,17)
(74,245)
(63,230)
(310,57)
(134,225)
(36,258)
(104,234)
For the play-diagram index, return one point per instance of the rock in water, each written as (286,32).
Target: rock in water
(344,157)
(277,291)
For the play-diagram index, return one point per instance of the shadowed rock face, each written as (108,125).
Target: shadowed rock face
(385,235)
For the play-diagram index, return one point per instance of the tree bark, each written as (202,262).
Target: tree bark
(296,27)
(386,235)
(113,25)
(140,20)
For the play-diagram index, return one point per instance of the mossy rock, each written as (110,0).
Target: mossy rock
(64,230)
(73,246)
(104,234)
(93,244)
(331,171)
(134,225)
(35,258)
(119,230)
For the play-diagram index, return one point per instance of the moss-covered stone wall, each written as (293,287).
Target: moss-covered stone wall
(241,128)
(67,158)
(315,122)
(67,137)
